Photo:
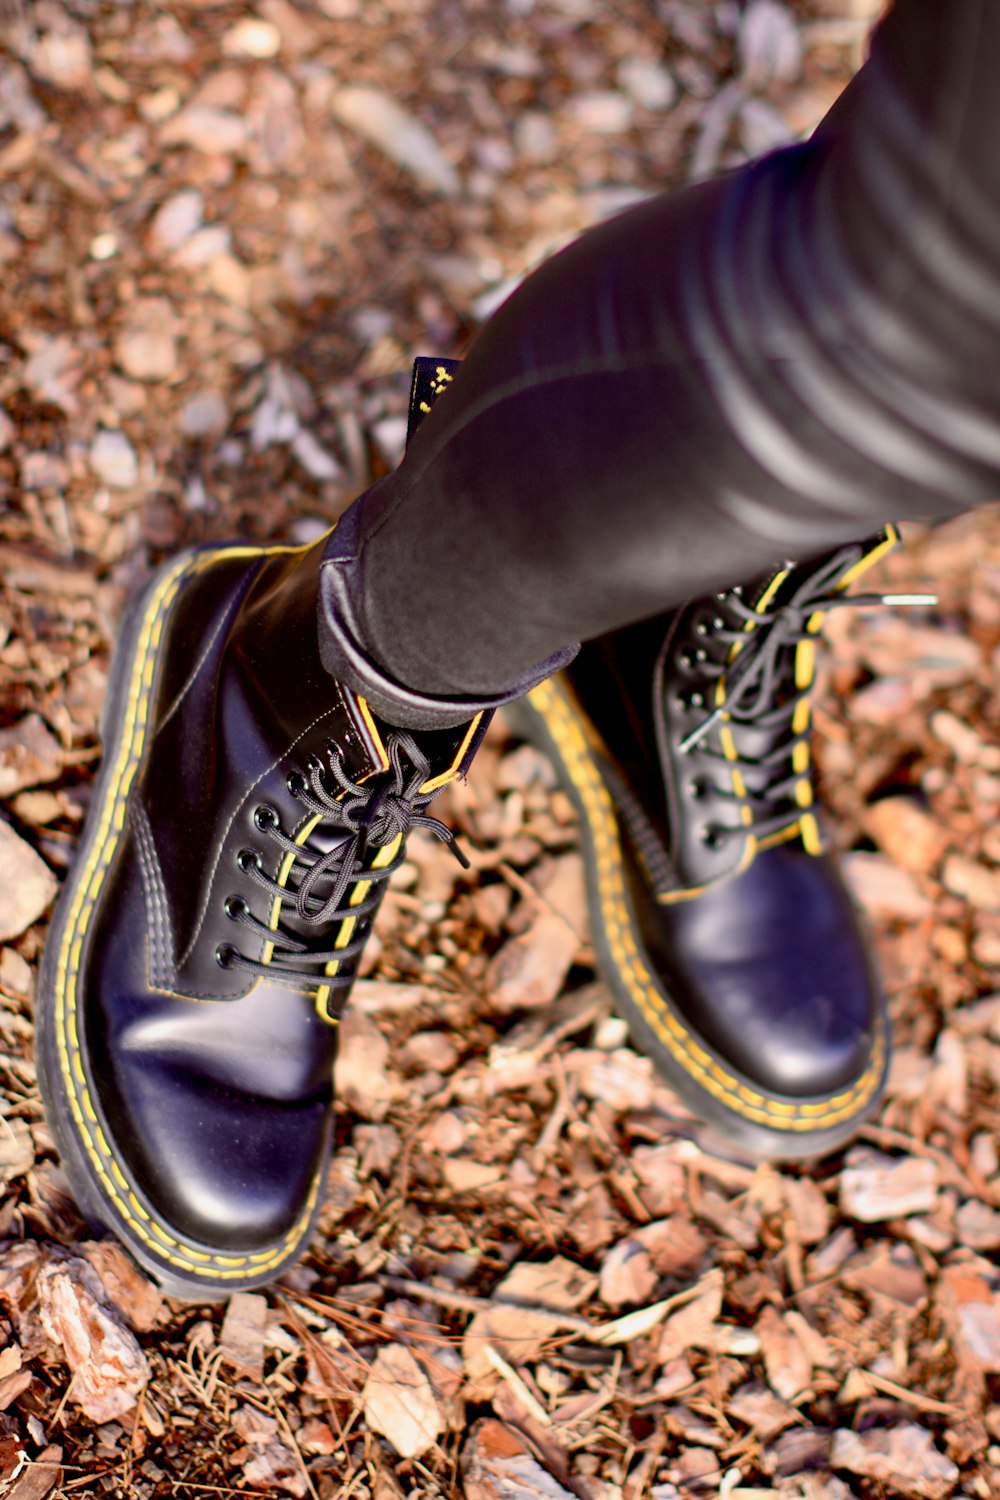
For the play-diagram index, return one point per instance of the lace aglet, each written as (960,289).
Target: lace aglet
(696,735)
(911,599)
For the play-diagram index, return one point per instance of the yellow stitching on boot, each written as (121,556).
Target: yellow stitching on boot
(570,740)
(99,862)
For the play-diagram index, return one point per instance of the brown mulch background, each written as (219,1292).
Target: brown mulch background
(224,233)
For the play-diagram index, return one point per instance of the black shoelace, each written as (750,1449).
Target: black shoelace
(319,885)
(760,690)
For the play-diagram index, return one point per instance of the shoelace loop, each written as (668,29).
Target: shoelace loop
(373,813)
(759,672)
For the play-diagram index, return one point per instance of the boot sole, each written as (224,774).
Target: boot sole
(99,1181)
(753,1125)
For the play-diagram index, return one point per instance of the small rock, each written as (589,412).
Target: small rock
(909,835)
(29,755)
(963,741)
(976,883)
(113,459)
(381,121)
(399,1402)
(214,132)
(146,349)
(242,1335)
(874,1187)
(252,37)
(44,471)
(53,371)
(204,415)
(63,58)
(884,890)
(770,49)
(903,1458)
(27,885)
(176,220)
(315,459)
(647,83)
(602,112)
(428,1051)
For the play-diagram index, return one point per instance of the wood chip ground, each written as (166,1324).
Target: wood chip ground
(224,233)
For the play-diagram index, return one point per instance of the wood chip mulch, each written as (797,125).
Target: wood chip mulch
(224,233)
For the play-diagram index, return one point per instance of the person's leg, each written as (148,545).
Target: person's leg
(764,367)
(759,367)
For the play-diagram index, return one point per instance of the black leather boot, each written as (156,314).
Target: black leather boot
(722,923)
(247,816)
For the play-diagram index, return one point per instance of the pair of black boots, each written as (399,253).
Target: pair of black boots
(250,810)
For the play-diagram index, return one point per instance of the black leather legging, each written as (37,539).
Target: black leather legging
(751,369)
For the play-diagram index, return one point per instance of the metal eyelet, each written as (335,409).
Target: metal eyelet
(223,955)
(697,789)
(265,818)
(700,628)
(695,700)
(234,907)
(718,623)
(296,783)
(247,860)
(701,654)
(710,837)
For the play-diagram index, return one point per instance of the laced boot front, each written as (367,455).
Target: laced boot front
(249,812)
(722,922)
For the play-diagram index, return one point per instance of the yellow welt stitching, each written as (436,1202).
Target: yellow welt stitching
(598,808)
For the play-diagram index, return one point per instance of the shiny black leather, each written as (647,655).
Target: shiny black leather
(210,1084)
(765,365)
(753,938)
